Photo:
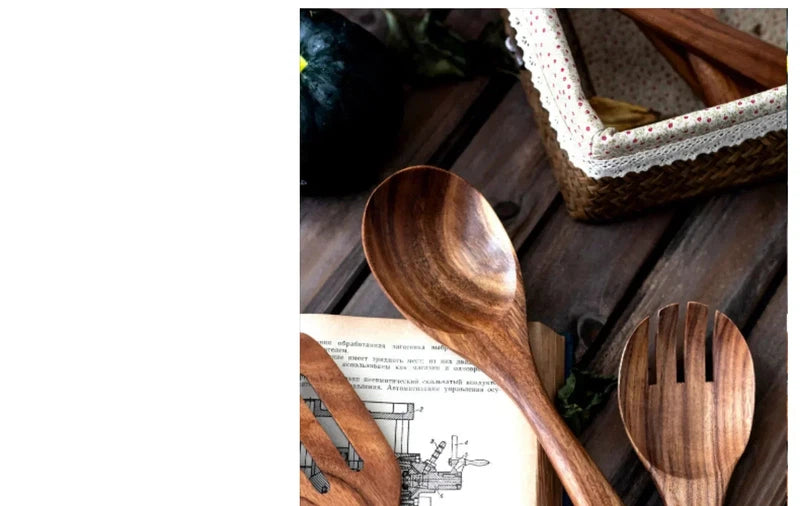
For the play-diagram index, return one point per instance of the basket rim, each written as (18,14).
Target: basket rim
(587,145)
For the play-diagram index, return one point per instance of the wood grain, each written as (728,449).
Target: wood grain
(576,273)
(330,252)
(689,434)
(596,282)
(726,255)
(718,86)
(761,476)
(378,482)
(507,162)
(548,355)
(718,42)
(443,258)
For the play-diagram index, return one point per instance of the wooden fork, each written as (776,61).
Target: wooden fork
(378,481)
(690,434)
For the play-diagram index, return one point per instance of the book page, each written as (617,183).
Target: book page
(459,438)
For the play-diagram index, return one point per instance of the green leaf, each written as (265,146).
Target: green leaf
(582,396)
(428,50)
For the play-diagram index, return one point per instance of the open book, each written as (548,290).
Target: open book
(459,438)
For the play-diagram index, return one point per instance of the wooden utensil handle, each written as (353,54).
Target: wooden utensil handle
(674,57)
(708,81)
(582,479)
(718,85)
(745,53)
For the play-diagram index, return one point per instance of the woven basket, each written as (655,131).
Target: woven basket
(609,198)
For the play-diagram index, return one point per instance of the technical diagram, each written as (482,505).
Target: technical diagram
(421,478)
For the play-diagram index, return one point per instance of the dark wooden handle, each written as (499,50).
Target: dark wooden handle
(718,86)
(712,39)
(710,82)
(674,56)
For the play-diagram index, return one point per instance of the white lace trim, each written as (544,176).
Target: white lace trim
(686,149)
(642,158)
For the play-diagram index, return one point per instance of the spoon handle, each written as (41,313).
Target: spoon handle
(582,480)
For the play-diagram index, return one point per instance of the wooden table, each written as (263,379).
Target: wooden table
(593,282)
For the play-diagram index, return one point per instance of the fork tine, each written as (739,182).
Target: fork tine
(730,352)
(694,343)
(734,378)
(319,445)
(342,402)
(633,382)
(666,343)
(307,490)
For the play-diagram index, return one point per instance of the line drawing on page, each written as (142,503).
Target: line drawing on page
(421,479)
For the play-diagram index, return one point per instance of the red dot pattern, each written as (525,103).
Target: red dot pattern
(544,45)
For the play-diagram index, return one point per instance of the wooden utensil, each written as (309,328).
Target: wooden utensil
(689,434)
(378,482)
(675,56)
(443,258)
(715,85)
(714,40)
(718,86)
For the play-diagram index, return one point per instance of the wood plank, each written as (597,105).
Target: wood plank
(576,273)
(623,249)
(507,163)
(726,255)
(330,232)
(760,477)
(739,212)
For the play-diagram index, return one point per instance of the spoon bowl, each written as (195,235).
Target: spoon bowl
(455,269)
(444,259)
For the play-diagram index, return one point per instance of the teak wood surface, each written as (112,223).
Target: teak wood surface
(378,482)
(691,433)
(442,256)
(592,283)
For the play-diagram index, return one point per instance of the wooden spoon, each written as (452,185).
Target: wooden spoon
(689,435)
(378,481)
(443,258)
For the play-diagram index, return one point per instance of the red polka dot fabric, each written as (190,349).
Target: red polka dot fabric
(623,68)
